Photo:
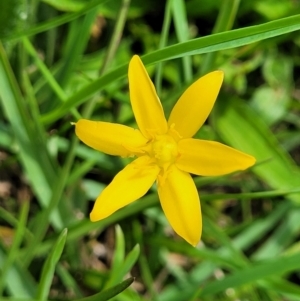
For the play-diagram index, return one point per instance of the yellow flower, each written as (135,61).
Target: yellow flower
(165,151)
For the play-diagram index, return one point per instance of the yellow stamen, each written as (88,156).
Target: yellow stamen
(164,150)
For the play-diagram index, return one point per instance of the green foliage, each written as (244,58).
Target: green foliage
(63,60)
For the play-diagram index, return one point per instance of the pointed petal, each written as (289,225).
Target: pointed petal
(195,104)
(128,185)
(146,105)
(110,138)
(180,201)
(210,158)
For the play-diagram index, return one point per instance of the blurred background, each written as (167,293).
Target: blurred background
(61,60)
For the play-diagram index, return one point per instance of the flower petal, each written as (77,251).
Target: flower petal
(180,201)
(210,158)
(145,103)
(128,185)
(195,104)
(110,138)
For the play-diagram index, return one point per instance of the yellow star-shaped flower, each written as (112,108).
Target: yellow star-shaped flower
(165,151)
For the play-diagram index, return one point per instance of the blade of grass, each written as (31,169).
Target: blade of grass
(11,220)
(162,43)
(118,258)
(49,267)
(48,75)
(86,226)
(111,51)
(225,20)
(260,227)
(111,292)
(143,262)
(282,237)
(215,42)
(182,32)
(58,189)
(60,20)
(14,249)
(34,156)
(233,119)
(252,274)
(75,46)
(19,281)
(116,36)
(68,280)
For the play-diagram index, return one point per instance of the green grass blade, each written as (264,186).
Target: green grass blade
(130,260)
(182,32)
(49,267)
(252,274)
(162,43)
(242,128)
(215,42)
(6,267)
(59,185)
(226,40)
(284,235)
(111,292)
(19,281)
(85,226)
(60,20)
(34,155)
(74,46)
(234,119)
(252,195)
(260,227)
(224,22)
(118,258)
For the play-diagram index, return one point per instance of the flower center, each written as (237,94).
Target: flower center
(164,150)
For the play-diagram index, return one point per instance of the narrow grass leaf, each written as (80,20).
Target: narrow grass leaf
(130,261)
(182,32)
(243,129)
(19,281)
(118,258)
(14,249)
(33,155)
(85,226)
(60,20)
(111,292)
(252,274)
(215,42)
(283,287)
(49,267)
